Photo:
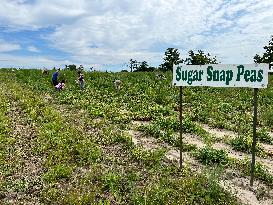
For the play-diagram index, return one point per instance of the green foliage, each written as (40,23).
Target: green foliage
(244,144)
(111,181)
(78,131)
(148,158)
(200,58)
(268,116)
(55,173)
(4,106)
(87,151)
(144,67)
(6,142)
(263,136)
(191,189)
(209,156)
(172,57)
(61,143)
(166,129)
(142,98)
(267,56)
(260,171)
(71,67)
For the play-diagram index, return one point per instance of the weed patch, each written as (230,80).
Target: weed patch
(208,155)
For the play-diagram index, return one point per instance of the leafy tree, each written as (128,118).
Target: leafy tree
(151,68)
(80,68)
(200,58)
(144,67)
(133,64)
(71,67)
(172,57)
(267,56)
(124,71)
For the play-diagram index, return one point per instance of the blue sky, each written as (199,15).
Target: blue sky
(105,34)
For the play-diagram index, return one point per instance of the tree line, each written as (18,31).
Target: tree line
(172,57)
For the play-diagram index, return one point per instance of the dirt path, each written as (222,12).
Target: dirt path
(149,143)
(24,184)
(221,134)
(218,133)
(146,142)
(259,194)
(268,163)
(231,180)
(172,154)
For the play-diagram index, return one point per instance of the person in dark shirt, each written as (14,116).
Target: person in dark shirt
(81,81)
(55,77)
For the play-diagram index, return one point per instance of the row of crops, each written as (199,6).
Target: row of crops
(144,98)
(88,158)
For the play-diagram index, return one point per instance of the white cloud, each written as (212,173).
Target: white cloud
(33,49)
(7,60)
(43,13)
(113,31)
(6,47)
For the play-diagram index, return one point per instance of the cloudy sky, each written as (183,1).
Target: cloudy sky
(107,33)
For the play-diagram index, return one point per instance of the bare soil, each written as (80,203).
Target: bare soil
(259,194)
(25,183)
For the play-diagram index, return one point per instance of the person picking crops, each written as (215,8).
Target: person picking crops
(55,77)
(60,86)
(45,71)
(81,81)
(117,84)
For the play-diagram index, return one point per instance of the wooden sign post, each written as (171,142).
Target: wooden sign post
(180,119)
(254,141)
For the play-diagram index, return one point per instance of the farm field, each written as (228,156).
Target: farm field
(103,146)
